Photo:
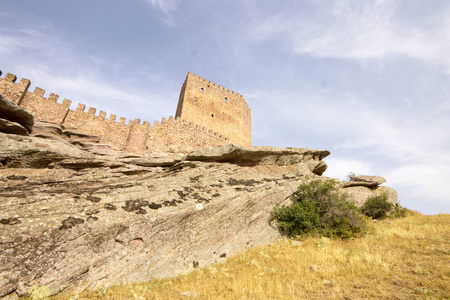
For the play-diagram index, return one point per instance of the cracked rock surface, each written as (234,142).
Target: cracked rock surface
(20,120)
(76,215)
(71,219)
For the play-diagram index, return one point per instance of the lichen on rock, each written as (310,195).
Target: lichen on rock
(74,219)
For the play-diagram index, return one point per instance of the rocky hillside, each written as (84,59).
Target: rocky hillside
(76,214)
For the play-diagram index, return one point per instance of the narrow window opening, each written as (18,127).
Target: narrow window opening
(212,116)
(226,99)
(201,90)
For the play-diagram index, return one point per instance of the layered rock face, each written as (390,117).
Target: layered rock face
(14,119)
(75,214)
(360,188)
(76,220)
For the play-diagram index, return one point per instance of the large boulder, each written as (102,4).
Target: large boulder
(365,180)
(81,221)
(362,187)
(14,113)
(360,194)
(12,127)
(263,155)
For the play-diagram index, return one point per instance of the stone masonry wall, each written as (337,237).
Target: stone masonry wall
(174,135)
(47,109)
(215,107)
(12,90)
(110,131)
(166,137)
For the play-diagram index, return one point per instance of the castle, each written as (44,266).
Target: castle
(207,115)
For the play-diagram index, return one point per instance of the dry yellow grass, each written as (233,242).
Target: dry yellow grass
(404,258)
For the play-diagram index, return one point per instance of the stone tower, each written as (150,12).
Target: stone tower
(215,107)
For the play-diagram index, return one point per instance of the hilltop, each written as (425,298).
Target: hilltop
(79,213)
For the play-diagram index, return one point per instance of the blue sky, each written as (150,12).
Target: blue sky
(367,80)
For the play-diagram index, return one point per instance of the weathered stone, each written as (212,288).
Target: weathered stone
(263,155)
(188,294)
(134,227)
(296,243)
(164,161)
(12,127)
(75,220)
(12,296)
(14,113)
(314,268)
(48,129)
(363,180)
(83,163)
(360,194)
(32,152)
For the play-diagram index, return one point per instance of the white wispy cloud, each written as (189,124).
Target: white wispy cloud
(340,167)
(44,44)
(361,124)
(167,7)
(59,66)
(426,185)
(358,30)
(410,149)
(12,41)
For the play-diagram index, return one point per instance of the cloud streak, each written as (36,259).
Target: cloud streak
(358,30)
(166,7)
(410,149)
(66,69)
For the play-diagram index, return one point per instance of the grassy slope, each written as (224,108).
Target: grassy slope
(404,258)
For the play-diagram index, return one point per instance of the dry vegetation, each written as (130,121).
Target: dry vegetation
(405,258)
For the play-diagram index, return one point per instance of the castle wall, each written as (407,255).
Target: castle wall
(12,90)
(215,107)
(46,108)
(173,135)
(137,137)
(180,136)
(111,132)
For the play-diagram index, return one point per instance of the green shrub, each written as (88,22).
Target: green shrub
(317,207)
(400,212)
(377,207)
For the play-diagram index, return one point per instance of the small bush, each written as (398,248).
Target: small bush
(317,207)
(400,212)
(377,207)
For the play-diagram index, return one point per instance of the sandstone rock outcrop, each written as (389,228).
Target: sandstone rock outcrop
(364,180)
(263,155)
(14,113)
(362,187)
(76,214)
(360,194)
(70,219)
(12,127)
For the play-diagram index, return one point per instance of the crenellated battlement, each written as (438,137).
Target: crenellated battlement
(215,107)
(91,111)
(213,84)
(173,134)
(8,85)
